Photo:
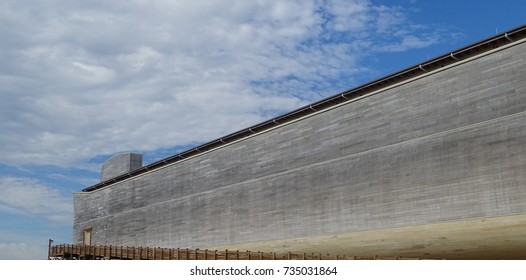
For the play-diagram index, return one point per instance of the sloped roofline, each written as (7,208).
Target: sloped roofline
(412,72)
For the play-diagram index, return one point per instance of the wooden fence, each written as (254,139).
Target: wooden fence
(85,252)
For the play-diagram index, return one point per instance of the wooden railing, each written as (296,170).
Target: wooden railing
(85,252)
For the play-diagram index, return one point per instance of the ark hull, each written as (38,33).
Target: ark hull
(432,167)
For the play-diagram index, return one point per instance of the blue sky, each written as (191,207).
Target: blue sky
(83,80)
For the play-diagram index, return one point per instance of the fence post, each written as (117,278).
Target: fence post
(49,248)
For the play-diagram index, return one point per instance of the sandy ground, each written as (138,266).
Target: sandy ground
(489,238)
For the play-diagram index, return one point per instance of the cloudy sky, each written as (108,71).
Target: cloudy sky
(83,80)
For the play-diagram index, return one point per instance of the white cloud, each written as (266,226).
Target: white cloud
(79,79)
(408,42)
(22,251)
(350,16)
(21,196)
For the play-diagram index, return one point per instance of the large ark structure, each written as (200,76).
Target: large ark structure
(427,162)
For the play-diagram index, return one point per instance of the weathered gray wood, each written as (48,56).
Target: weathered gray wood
(448,146)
